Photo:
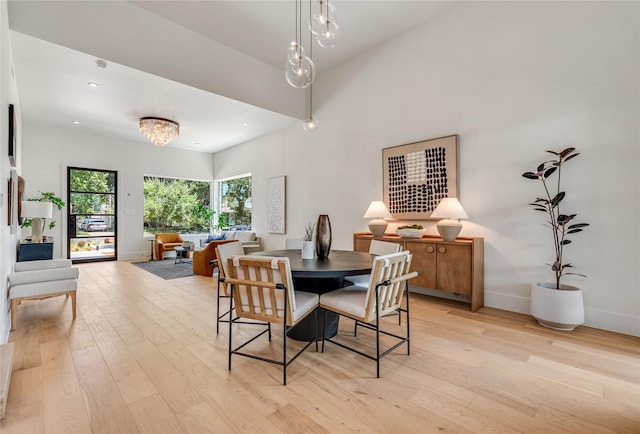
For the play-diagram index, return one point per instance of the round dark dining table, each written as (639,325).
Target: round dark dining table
(320,276)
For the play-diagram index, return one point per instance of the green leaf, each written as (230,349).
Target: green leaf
(552,152)
(565,242)
(530,175)
(573,231)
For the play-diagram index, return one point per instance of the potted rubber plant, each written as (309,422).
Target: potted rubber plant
(554,304)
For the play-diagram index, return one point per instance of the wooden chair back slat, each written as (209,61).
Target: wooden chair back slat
(223,253)
(392,267)
(255,295)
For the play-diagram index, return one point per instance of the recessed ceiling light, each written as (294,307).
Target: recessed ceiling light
(92,84)
(75,122)
(245,123)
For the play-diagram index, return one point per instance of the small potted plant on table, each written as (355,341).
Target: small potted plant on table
(307,241)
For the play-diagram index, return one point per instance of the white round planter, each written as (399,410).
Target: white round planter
(559,309)
(308,247)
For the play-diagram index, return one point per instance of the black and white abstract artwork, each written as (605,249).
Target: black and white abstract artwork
(417,175)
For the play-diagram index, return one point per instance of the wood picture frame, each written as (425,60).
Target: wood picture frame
(276,205)
(13,132)
(417,175)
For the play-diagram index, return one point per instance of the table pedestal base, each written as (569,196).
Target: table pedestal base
(308,329)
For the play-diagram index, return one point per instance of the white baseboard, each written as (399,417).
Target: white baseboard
(612,321)
(133,256)
(596,318)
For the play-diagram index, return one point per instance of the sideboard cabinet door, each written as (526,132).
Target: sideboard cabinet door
(424,259)
(454,268)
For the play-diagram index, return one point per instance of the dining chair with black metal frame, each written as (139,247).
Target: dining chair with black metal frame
(387,288)
(376,247)
(223,253)
(262,290)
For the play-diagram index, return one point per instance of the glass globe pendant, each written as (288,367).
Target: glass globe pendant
(320,15)
(327,37)
(301,74)
(310,124)
(294,51)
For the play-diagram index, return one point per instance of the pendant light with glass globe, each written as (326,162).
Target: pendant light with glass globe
(310,124)
(323,24)
(299,69)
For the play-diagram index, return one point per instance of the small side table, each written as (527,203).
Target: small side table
(28,251)
(181,254)
(153,244)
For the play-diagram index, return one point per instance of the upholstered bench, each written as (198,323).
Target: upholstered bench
(42,279)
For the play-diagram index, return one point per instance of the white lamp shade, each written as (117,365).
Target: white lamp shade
(37,209)
(449,208)
(377,210)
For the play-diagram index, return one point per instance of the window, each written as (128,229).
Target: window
(176,205)
(234,202)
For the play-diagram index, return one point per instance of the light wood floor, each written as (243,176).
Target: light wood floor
(143,356)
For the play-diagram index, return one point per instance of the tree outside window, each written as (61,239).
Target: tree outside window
(176,205)
(234,197)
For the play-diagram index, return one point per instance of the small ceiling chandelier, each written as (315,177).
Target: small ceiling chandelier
(159,131)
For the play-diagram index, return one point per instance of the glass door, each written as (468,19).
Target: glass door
(92,211)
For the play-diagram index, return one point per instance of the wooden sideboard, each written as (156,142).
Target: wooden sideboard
(452,266)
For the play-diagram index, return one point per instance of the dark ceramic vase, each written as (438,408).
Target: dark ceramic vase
(323,236)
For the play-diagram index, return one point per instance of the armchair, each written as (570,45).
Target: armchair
(42,279)
(202,258)
(166,242)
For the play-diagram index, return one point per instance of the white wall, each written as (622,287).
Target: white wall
(8,95)
(50,151)
(512,79)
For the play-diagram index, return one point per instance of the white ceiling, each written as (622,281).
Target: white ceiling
(209,65)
